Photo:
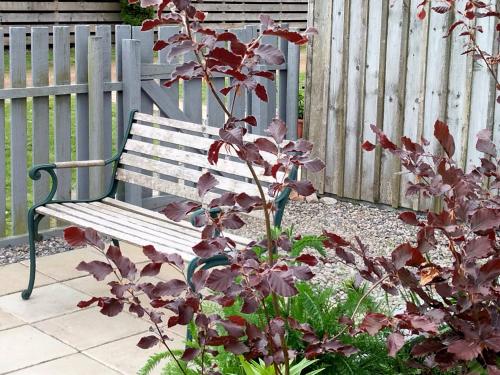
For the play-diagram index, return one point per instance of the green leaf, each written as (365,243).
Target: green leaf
(315,242)
(152,362)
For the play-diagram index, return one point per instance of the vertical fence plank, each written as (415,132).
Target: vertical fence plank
(397,30)
(146,39)
(40,119)
(415,87)
(289,88)
(3,166)
(333,136)
(121,32)
(131,69)
(371,106)
(270,85)
(104,31)
(283,82)
(172,92)
(355,90)
(18,141)
(82,33)
(96,112)
(62,108)
(483,92)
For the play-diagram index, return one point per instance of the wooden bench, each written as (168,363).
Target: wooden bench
(163,155)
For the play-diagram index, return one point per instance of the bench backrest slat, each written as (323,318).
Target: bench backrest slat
(170,156)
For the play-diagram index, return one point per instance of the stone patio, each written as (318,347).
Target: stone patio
(50,335)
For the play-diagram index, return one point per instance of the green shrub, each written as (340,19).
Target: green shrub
(133,14)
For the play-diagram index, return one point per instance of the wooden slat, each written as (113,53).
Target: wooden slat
(415,88)
(483,93)
(96,114)
(62,109)
(3,166)
(104,31)
(289,88)
(167,169)
(125,223)
(131,57)
(354,104)
(182,139)
(57,212)
(82,33)
(33,18)
(61,6)
(395,67)
(40,120)
(195,159)
(172,92)
(17,54)
(75,88)
(158,184)
(372,98)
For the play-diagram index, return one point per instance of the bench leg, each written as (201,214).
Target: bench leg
(33,236)
(115,242)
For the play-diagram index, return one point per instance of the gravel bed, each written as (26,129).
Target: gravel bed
(378,227)
(14,254)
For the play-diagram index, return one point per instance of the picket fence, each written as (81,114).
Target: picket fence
(76,110)
(375,62)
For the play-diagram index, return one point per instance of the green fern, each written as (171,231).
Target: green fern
(152,363)
(315,242)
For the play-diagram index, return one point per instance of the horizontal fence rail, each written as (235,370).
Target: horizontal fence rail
(224,13)
(377,63)
(70,99)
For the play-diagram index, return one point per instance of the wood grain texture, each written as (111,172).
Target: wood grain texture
(4,165)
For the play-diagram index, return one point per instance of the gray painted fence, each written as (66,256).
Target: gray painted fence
(73,103)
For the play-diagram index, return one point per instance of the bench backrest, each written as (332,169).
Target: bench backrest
(169,156)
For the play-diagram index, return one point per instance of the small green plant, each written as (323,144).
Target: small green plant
(260,368)
(301,103)
(133,14)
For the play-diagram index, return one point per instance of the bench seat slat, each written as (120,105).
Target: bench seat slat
(119,235)
(127,221)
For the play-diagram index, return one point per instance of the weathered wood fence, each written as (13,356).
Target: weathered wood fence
(225,13)
(374,62)
(73,104)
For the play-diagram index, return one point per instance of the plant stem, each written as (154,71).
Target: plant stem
(168,348)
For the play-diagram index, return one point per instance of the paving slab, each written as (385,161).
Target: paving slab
(62,266)
(14,278)
(125,356)
(9,321)
(88,328)
(26,346)
(75,364)
(45,302)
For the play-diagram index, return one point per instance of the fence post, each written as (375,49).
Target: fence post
(292,89)
(131,68)
(96,108)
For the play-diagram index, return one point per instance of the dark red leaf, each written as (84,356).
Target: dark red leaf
(406,255)
(232,136)
(159,45)
(177,211)
(225,57)
(373,323)
(395,342)
(221,279)
(304,188)
(270,54)
(383,140)
(421,14)
(281,283)
(247,201)
(314,165)
(151,269)
(96,268)
(264,144)
(213,152)
(490,270)
(226,37)
(442,134)
(171,288)
(111,307)
(368,146)
(232,221)
(261,92)
(465,350)
(160,257)
(409,217)
(251,120)
(484,143)
(148,342)
(308,259)
(208,248)
(265,74)
(84,304)
(125,266)
(291,36)
(190,354)
(75,236)
(226,90)
(206,182)
(277,130)
(485,219)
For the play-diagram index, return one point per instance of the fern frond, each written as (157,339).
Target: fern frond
(315,242)
(152,362)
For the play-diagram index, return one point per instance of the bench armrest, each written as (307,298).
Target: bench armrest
(80,163)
